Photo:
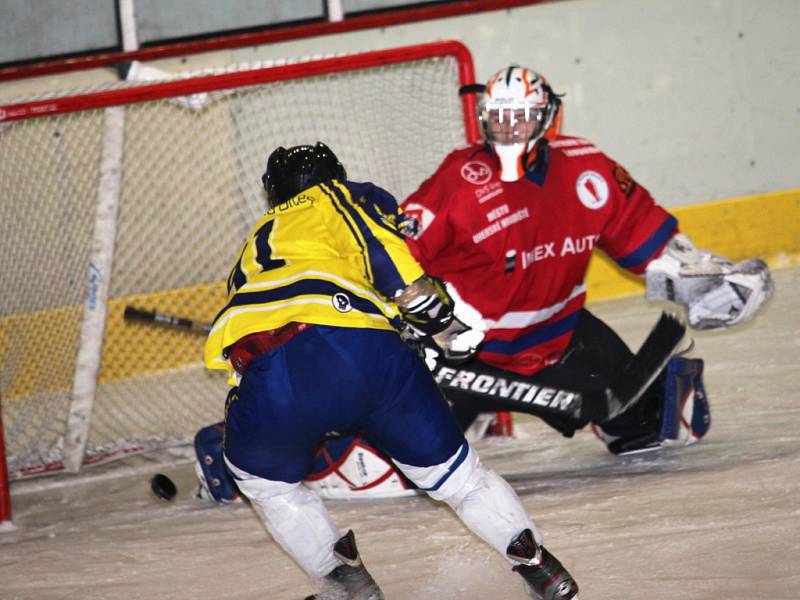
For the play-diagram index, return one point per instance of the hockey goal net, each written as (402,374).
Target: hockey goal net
(135,194)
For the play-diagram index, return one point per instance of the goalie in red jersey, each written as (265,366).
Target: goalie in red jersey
(510,224)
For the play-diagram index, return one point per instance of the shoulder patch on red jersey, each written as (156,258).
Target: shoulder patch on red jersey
(624,180)
(592,189)
(416,219)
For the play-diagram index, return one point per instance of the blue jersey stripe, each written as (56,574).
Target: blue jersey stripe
(385,276)
(304,287)
(336,204)
(534,338)
(380,203)
(646,251)
(451,469)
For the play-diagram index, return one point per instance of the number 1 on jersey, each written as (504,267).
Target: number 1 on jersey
(238,276)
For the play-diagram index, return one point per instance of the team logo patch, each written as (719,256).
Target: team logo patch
(416,221)
(341,302)
(624,180)
(476,172)
(592,190)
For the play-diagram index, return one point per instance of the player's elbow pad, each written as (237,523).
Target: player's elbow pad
(426,306)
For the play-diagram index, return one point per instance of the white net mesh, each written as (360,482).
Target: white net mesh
(190,191)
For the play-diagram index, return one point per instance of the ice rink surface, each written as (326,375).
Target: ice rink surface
(719,520)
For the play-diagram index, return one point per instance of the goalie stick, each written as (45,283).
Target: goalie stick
(646,364)
(153,317)
(507,390)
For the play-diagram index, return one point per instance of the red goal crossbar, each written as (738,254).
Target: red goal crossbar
(210,83)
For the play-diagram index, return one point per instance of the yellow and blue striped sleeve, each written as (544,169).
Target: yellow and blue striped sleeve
(372,215)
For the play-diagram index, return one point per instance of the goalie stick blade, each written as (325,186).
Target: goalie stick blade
(645,366)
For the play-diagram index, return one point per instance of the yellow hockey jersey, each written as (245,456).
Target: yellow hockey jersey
(332,255)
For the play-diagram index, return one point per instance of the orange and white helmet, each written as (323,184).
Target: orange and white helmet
(517,109)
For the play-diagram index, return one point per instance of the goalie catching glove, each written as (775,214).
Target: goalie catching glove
(716,292)
(428,310)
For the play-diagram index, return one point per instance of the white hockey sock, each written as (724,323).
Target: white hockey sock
(484,501)
(296,518)
(493,511)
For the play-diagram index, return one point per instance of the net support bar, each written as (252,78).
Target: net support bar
(87,364)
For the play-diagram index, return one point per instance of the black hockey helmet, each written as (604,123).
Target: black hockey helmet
(290,171)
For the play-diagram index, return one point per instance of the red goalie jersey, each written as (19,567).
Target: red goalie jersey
(518,252)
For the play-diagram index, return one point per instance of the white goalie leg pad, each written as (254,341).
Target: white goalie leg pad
(295,517)
(483,500)
(360,472)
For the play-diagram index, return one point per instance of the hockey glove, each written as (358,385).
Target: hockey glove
(458,342)
(426,306)
(716,292)
(455,344)
(429,312)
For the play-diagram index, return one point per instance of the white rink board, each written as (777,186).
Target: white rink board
(716,521)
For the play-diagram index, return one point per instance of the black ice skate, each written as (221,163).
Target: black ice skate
(545,578)
(350,581)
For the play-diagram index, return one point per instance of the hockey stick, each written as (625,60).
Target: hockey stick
(500,389)
(619,396)
(153,317)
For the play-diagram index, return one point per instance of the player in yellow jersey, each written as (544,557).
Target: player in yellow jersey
(309,334)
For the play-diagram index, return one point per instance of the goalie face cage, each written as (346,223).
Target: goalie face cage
(138,194)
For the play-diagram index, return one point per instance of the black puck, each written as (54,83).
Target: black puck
(163,487)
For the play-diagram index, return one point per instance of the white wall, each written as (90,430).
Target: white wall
(700,99)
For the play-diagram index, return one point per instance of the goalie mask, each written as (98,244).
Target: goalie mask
(517,109)
(290,171)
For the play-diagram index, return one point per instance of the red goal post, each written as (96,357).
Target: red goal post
(134,193)
(5,499)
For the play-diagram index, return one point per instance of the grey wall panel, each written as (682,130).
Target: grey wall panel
(41,28)
(351,6)
(163,20)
